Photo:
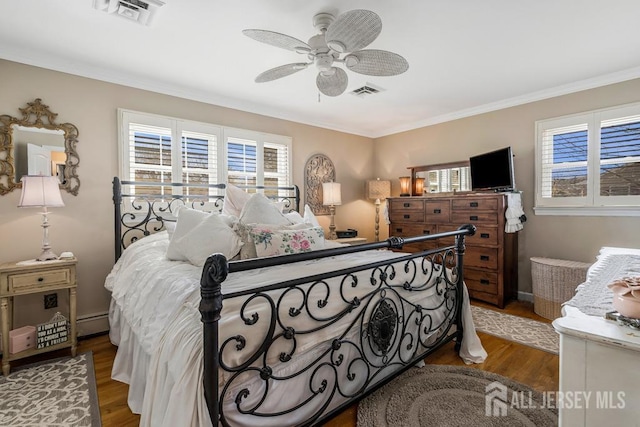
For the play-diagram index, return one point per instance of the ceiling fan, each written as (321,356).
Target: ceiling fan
(347,35)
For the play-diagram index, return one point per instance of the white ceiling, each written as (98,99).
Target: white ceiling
(465,56)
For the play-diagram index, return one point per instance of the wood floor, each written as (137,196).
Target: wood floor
(536,368)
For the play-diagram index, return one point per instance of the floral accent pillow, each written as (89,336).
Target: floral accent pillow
(278,241)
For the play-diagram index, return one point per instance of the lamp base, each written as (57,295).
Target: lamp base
(47,255)
(404,194)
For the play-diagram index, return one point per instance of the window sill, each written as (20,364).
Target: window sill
(588,210)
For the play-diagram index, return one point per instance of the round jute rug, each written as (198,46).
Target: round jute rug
(437,395)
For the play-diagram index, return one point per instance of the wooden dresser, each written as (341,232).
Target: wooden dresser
(491,257)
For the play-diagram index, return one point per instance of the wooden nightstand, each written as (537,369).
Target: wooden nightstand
(352,240)
(30,277)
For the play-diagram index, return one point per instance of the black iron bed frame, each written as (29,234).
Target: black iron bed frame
(386,331)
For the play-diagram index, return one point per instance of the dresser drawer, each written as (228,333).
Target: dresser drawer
(485,235)
(27,282)
(437,212)
(406,205)
(474,217)
(406,216)
(481,257)
(412,230)
(479,280)
(479,204)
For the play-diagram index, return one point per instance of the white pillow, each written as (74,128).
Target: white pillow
(309,217)
(200,234)
(294,217)
(270,241)
(170,226)
(234,200)
(258,210)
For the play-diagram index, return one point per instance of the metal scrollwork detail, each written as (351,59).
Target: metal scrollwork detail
(383,326)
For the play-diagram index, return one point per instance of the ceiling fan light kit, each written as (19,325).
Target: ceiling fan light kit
(347,34)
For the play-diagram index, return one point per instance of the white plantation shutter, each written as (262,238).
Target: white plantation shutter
(619,167)
(589,162)
(149,156)
(257,159)
(564,162)
(163,149)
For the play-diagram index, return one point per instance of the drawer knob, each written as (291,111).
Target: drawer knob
(484,235)
(406,216)
(484,281)
(437,211)
(426,231)
(473,204)
(398,230)
(484,257)
(40,279)
(473,218)
(406,205)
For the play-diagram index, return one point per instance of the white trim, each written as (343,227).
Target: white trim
(588,210)
(90,324)
(525,296)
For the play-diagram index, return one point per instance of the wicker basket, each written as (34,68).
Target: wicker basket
(554,282)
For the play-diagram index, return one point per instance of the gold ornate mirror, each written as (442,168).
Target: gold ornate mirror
(36,145)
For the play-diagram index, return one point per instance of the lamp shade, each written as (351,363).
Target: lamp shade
(405,185)
(331,194)
(378,190)
(419,186)
(40,191)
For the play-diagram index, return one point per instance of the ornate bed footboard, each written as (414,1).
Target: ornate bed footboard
(367,324)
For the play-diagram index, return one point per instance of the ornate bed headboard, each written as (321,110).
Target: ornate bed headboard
(144,208)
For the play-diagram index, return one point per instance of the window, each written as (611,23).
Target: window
(163,149)
(589,164)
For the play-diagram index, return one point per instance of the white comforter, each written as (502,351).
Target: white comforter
(156,324)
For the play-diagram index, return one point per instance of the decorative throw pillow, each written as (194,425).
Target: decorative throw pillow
(258,210)
(294,217)
(200,234)
(234,200)
(271,241)
(309,217)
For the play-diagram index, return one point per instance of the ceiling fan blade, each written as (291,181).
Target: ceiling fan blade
(278,40)
(281,71)
(334,84)
(353,30)
(374,62)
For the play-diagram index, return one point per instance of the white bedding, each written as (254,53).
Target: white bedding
(156,324)
(593,297)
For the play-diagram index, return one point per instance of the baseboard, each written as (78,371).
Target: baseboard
(91,324)
(525,296)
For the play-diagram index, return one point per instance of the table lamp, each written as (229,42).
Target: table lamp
(378,190)
(331,197)
(42,192)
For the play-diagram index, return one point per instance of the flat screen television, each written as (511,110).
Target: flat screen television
(492,171)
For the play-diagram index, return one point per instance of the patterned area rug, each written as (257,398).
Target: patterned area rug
(518,329)
(61,392)
(455,396)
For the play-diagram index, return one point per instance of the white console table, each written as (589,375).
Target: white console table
(601,357)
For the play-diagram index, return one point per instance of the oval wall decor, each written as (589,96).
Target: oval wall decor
(318,169)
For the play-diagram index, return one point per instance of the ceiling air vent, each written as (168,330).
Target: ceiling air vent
(367,89)
(140,11)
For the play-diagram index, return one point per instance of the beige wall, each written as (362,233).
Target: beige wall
(564,237)
(85,225)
